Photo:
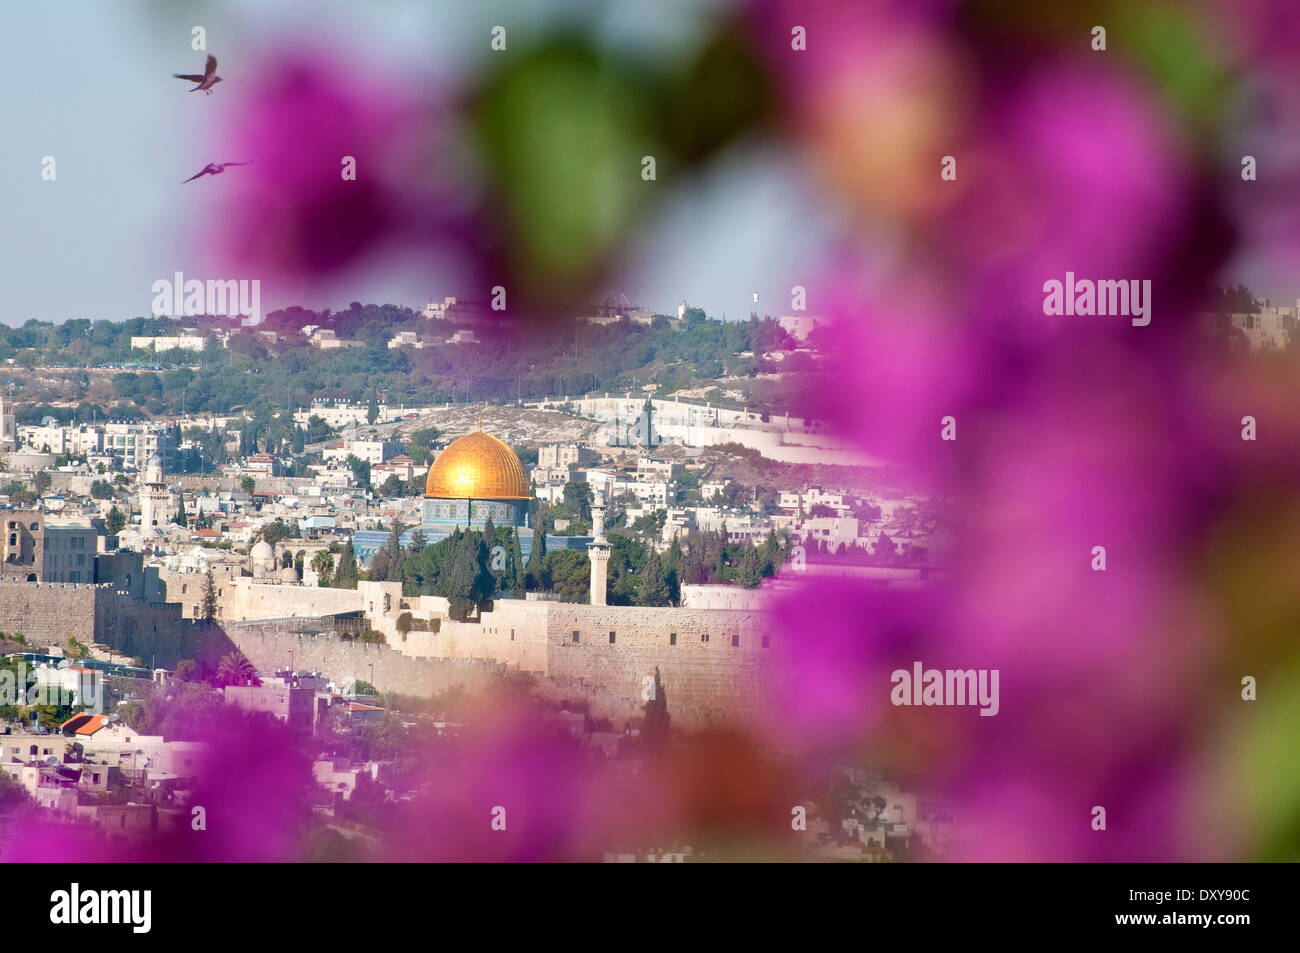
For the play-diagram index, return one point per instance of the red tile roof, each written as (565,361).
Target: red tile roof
(80,718)
(95,723)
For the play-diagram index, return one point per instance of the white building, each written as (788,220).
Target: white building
(75,440)
(373,452)
(405,339)
(340,413)
(799,326)
(136,443)
(834,532)
(168,342)
(1266,329)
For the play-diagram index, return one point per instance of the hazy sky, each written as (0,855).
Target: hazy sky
(89,83)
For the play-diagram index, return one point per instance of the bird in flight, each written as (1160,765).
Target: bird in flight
(214,168)
(207,80)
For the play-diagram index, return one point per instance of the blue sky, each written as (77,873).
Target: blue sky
(89,83)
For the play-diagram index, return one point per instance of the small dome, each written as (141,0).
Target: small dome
(288,574)
(262,552)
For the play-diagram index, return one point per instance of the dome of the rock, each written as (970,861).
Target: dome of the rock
(477,466)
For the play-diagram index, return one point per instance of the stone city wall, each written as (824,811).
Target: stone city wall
(271,646)
(48,613)
(705,676)
(513,633)
(248,600)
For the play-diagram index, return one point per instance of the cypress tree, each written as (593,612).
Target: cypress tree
(655,727)
(209,609)
(483,584)
(458,583)
(536,560)
(750,573)
(345,576)
(517,576)
(654,589)
(490,543)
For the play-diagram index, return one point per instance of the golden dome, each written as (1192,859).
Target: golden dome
(477,466)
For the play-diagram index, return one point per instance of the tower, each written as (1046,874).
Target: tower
(154,498)
(598,551)
(645,434)
(8,435)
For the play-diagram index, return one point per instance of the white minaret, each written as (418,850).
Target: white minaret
(8,434)
(598,551)
(153,497)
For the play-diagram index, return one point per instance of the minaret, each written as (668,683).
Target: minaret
(153,497)
(598,551)
(8,435)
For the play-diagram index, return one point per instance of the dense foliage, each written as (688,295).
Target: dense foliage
(258,374)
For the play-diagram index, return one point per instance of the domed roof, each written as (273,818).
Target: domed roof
(262,551)
(477,466)
(288,574)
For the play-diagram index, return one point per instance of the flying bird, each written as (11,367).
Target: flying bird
(214,168)
(207,80)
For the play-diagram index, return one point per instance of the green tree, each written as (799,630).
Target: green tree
(180,511)
(318,430)
(885,549)
(360,469)
(323,565)
(247,484)
(536,561)
(516,585)
(372,409)
(750,573)
(387,564)
(653,585)
(656,725)
(577,499)
(115,521)
(490,543)
(236,669)
(209,605)
(471,582)
(345,577)
(568,573)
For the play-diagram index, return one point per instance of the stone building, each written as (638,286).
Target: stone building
(33,551)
